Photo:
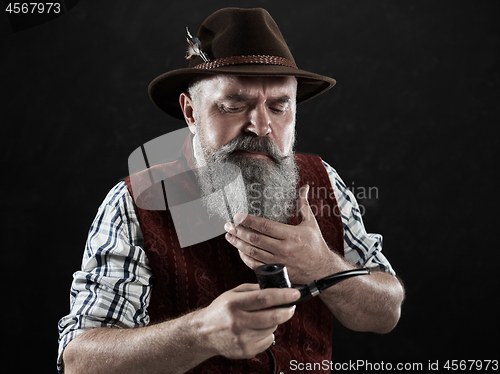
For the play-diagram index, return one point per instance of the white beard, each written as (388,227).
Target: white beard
(232,183)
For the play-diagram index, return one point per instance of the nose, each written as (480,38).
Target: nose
(259,121)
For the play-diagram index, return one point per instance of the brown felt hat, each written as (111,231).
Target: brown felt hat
(238,42)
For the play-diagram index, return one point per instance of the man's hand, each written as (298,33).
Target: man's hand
(362,304)
(301,248)
(240,323)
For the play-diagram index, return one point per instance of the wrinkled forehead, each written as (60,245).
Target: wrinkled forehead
(250,85)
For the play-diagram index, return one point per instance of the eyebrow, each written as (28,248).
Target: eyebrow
(236,97)
(242,98)
(284,99)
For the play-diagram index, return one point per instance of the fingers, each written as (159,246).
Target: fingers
(246,287)
(264,299)
(270,318)
(304,209)
(265,226)
(249,261)
(261,239)
(240,323)
(252,243)
(261,318)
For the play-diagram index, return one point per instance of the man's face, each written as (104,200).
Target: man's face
(231,106)
(250,123)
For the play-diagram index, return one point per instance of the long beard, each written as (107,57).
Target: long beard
(269,187)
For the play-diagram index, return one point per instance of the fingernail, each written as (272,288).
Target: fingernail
(239,217)
(228,226)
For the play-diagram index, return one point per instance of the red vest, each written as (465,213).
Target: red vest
(192,277)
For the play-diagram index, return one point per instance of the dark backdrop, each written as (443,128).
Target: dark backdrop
(413,114)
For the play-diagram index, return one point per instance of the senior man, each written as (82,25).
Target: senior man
(143,303)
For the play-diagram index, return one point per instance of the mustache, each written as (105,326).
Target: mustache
(252,143)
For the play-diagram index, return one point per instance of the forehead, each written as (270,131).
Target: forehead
(222,85)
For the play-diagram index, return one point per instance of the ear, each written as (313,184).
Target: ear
(187,107)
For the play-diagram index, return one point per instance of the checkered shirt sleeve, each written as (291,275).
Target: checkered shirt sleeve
(360,248)
(113,286)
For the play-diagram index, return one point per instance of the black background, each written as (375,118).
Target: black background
(414,114)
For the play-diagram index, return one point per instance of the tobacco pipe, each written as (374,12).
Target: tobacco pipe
(276,276)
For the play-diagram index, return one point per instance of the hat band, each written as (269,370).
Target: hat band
(241,60)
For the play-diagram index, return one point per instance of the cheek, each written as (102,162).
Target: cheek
(286,131)
(217,133)
(287,137)
(213,139)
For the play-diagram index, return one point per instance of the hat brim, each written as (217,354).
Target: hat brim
(165,89)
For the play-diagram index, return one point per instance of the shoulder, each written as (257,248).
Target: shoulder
(310,163)
(317,158)
(119,199)
(117,194)
(345,198)
(334,176)
(116,218)
(340,190)
(337,183)
(118,207)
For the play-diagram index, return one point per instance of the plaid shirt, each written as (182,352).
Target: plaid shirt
(113,287)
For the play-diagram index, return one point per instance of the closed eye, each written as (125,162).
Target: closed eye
(226,109)
(280,105)
(279,108)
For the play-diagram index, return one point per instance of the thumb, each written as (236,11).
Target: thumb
(304,209)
